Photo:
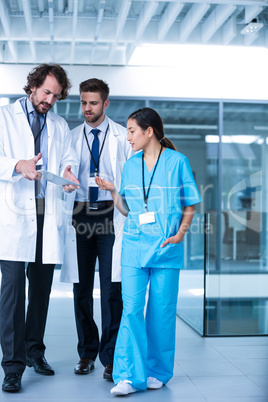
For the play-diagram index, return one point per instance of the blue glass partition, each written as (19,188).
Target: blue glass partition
(224,290)
(191,289)
(236,285)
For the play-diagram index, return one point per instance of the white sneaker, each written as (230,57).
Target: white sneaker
(123,388)
(154,383)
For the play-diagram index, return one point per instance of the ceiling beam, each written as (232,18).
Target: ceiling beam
(29,26)
(81,6)
(192,19)
(229,30)
(168,18)
(51,19)
(99,19)
(97,30)
(143,21)
(129,51)
(60,6)
(122,17)
(249,39)
(13,47)
(145,17)
(51,28)
(216,20)
(41,6)
(74,28)
(251,12)
(5,19)
(120,23)
(70,6)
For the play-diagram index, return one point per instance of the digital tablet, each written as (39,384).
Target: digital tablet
(53,178)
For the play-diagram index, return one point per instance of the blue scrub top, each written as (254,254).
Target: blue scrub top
(173,187)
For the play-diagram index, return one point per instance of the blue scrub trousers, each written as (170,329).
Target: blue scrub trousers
(145,346)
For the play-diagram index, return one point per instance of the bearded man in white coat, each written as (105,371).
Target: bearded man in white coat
(102,148)
(32,217)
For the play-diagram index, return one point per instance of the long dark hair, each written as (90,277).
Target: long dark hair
(147,117)
(38,75)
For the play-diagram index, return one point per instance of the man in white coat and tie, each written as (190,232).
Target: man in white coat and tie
(32,220)
(102,149)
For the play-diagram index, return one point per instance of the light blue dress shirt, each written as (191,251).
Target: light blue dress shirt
(43,142)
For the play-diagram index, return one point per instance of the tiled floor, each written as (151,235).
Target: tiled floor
(206,369)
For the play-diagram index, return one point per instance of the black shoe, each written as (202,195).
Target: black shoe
(40,365)
(85,366)
(108,372)
(12,382)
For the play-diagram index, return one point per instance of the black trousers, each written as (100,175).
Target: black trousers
(17,337)
(95,238)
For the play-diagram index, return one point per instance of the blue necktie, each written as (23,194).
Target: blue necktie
(36,130)
(93,191)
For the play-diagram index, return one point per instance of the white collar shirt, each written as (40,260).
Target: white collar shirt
(105,167)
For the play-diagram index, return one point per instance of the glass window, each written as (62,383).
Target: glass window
(193,128)
(244,186)
(244,148)
(119,109)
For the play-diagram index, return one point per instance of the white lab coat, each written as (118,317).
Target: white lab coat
(120,151)
(18,228)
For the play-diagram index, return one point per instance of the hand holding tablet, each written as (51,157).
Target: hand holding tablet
(53,178)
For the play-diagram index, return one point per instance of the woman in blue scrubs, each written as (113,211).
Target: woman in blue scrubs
(158,195)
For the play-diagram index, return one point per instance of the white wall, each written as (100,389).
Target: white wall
(227,82)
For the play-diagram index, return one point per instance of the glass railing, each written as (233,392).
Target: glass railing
(230,296)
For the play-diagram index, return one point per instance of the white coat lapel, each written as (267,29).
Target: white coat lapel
(50,130)
(113,143)
(78,143)
(24,124)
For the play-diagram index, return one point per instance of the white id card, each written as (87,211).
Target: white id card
(92,182)
(147,217)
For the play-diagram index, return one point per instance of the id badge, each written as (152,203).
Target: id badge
(147,217)
(91,182)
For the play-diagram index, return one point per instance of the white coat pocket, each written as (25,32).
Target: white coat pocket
(69,268)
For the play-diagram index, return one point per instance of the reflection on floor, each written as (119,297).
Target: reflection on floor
(206,369)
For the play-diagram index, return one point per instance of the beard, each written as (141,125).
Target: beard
(40,107)
(93,118)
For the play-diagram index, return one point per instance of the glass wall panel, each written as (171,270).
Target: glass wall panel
(236,296)
(193,128)
(191,286)
(244,187)
(118,110)
(236,258)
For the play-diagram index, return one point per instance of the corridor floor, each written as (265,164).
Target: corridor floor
(233,369)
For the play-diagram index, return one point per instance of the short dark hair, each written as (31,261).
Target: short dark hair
(147,117)
(95,85)
(38,75)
